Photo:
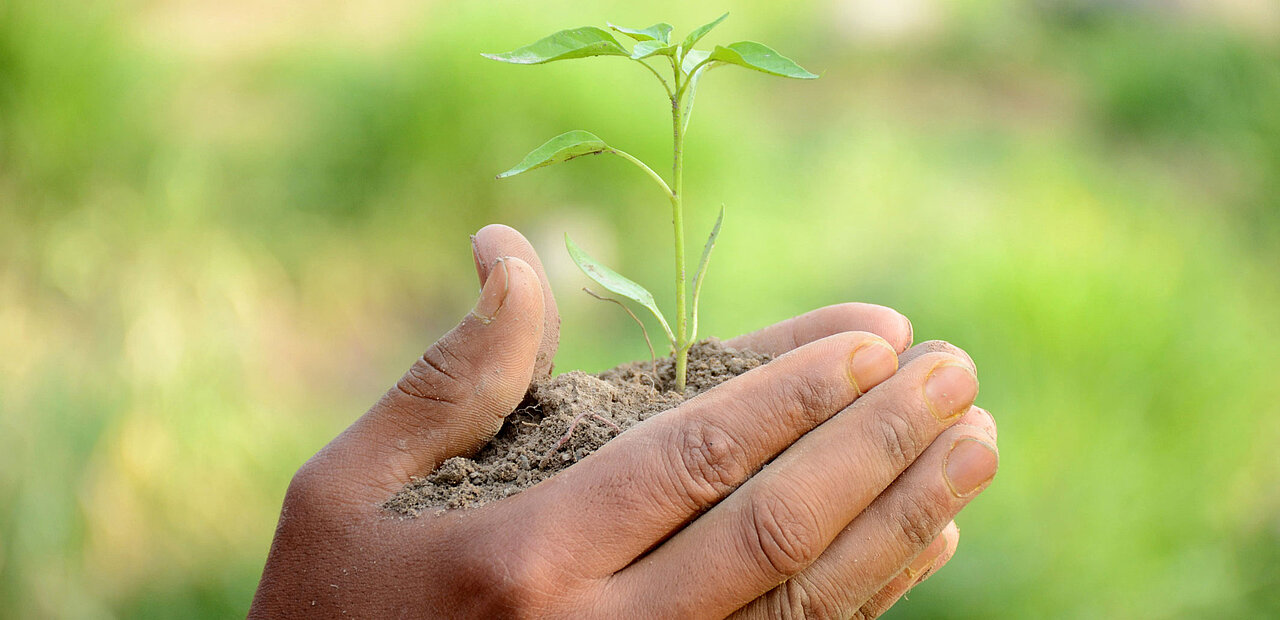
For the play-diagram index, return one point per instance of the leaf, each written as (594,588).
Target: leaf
(706,253)
(700,32)
(760,57)
(564,45)
(702,271)
(616,282)
(563,147)
(657,32)
(692,58)
(645,49)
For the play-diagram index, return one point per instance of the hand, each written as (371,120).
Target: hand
(869,457)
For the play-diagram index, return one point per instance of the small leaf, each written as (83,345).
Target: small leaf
(760,57)
(702,271)
(692,58)
(563,147)
(645,49)
(706,252)
(700,32)
(657,32)
(615,282)
(564,45)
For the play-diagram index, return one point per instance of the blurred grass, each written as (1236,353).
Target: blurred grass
(226,227)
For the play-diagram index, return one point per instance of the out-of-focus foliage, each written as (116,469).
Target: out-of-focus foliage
(226,226)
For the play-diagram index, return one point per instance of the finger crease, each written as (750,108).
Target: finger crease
(440,368)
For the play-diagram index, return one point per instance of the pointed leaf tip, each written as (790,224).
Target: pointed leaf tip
(706,253)
(760,57)
(699,32)
(564,45)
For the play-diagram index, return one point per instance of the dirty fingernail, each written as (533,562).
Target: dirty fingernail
(927,558)
(871,363)
(969,465)
(481,269)
(494,292)
(950,389)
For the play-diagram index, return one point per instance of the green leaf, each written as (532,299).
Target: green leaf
(692,58)
(645,49)
(564,45)
(702,271)
(563,147)
(657,32)
(700,32)
(760,57)
(616,282)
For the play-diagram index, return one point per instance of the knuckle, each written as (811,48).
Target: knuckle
(918,516)
(808,598)
(435,375)
(784,533)
(708,463)
(900,440)
(799,400)
(313,496)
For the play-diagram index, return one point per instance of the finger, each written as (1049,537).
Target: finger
(937,346)
(783,518)
(817,324)
(897,535)
(495,241)
(981,418)
(453,398)
(654,478)
(904,519)
(939,552)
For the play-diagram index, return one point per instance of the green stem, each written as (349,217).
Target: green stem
(657,178)
(677,220)
(657,75)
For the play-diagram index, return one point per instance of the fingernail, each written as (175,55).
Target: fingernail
(950,389)
(927,558)
(911,330)
(480,266)
(969,465)
(872,362)
(494,292)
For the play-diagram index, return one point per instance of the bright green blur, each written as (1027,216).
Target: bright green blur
(226,227)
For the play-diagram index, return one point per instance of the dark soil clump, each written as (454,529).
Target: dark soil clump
(535,442)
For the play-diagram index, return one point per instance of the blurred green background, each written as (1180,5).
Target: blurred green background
(227,226)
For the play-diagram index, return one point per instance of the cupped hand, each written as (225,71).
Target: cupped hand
(822,484)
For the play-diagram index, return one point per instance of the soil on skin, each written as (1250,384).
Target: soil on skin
(528,448)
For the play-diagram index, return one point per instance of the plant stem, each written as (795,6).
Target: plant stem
(649,171)
(677,220)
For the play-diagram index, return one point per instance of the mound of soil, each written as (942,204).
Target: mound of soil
(564,419)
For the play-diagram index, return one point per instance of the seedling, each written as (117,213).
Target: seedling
(652,44)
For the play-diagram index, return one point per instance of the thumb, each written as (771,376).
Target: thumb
(454,398)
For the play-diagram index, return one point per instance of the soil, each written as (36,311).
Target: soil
(562,420)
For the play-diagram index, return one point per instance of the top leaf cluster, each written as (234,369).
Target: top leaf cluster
(654,41)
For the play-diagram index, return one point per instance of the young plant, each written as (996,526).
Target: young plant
(687,64)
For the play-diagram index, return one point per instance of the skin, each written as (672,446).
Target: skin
(869,460)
